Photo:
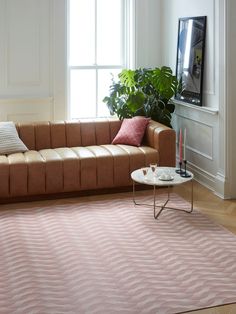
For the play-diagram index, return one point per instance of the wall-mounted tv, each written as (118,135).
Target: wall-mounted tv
(190,58)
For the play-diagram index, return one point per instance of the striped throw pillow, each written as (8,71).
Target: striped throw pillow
(9,139)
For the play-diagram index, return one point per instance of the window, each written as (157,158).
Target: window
(99,46)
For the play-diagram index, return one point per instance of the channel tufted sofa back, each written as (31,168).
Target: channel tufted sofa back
(44,135)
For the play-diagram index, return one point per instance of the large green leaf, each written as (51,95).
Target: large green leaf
(165,83)
(142,77)
(135,101)
(127,77)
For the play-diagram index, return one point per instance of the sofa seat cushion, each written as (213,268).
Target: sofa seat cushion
(104,166)
(54,170)
(4,176)
(36,172)
(128,158)
(22,174)
(18,174)
(71,169)
(62,169)
(88,167)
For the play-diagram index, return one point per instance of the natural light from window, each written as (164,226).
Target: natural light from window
(97,49)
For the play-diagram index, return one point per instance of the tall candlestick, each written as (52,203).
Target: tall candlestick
(185,133)
(180,145)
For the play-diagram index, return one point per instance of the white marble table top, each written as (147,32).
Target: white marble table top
(160,177)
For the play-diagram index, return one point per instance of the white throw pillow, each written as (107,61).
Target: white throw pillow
(9,139)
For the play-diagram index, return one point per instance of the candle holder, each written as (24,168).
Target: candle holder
(184,173)
(180,170)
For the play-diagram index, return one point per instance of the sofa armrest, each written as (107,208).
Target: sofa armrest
(163,139)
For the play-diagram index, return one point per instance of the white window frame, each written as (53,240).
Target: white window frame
(128,48)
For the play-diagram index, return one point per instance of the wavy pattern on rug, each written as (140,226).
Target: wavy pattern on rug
(108,256)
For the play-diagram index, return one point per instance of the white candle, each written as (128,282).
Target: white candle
(184,144)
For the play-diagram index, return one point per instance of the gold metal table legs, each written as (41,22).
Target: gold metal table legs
(165,205)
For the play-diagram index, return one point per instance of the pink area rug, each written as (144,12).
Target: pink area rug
(107,256)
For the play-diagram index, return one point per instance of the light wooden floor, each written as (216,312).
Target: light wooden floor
(222,212)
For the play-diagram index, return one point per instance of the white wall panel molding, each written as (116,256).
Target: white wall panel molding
(23,116)
(25,48)
(202,176)
(223,88)
(222,142)
(26,109)
(222,186)
(199,136)
(148,33)
(59,58)
(204,118)
(23,43)
(228,125)
(209,110)
(210,54)
(218,183)
(26,100)
(3,44)
(200,153)
(33,58)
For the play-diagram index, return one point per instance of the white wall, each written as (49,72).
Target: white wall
(210,150)
(230,83)
(206,127)
(171,11)
(32,54)
(147,33)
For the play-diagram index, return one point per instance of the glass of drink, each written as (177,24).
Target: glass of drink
(144,171)
(153,167)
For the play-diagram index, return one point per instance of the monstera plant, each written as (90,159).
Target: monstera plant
(145,92)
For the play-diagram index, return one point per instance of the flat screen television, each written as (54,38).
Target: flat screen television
(190,58)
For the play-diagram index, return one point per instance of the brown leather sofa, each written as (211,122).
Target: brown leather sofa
(70,156)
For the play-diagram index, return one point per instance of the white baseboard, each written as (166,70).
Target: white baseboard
(216,183)
(222,187)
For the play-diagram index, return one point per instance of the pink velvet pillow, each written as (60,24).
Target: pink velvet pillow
(131,131)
